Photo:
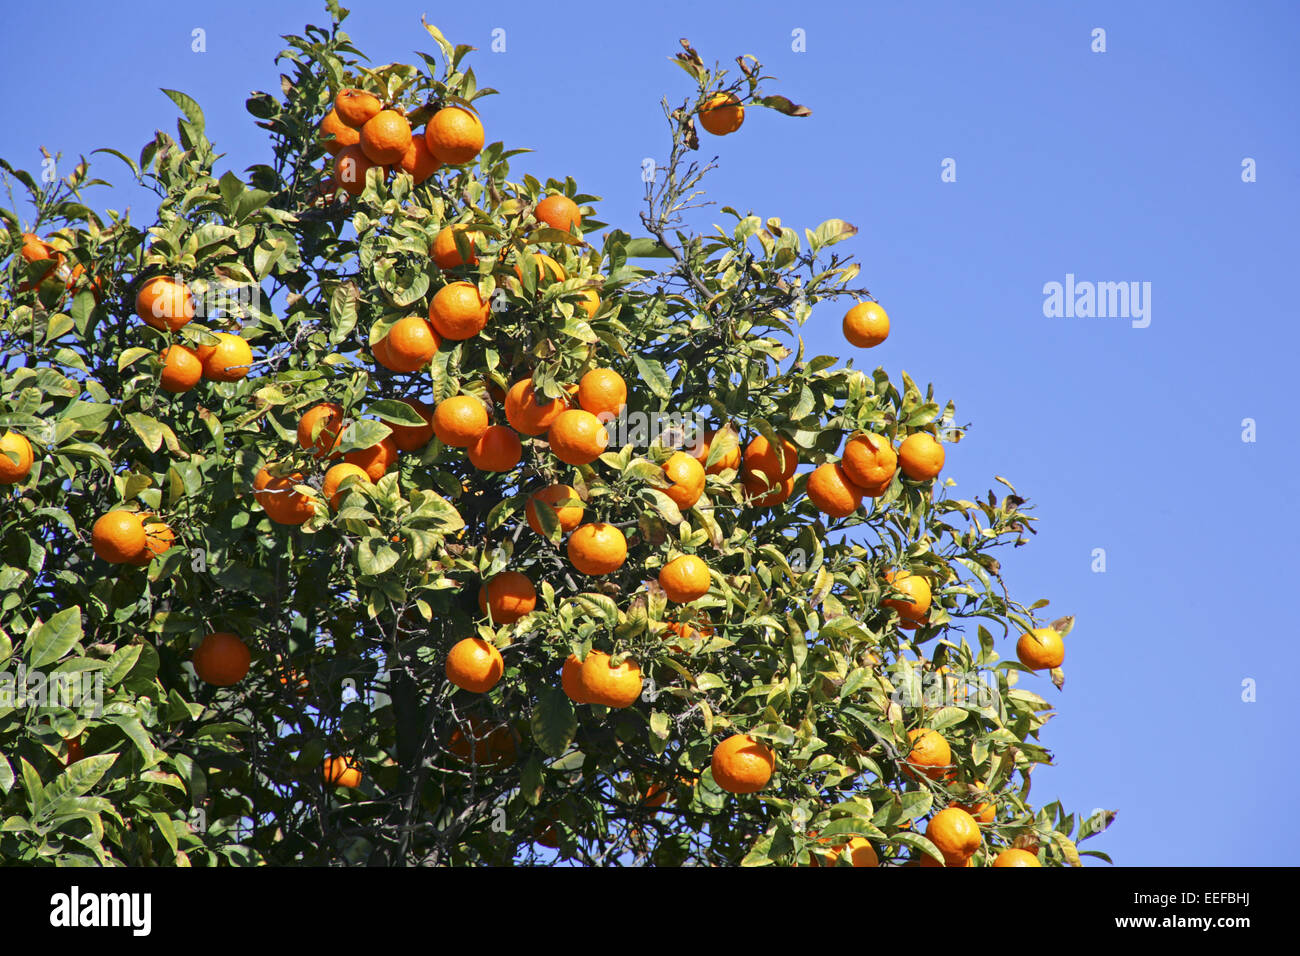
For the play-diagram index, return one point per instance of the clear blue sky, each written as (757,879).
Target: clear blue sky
(1115,166)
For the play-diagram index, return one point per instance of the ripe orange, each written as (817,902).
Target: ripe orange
(330,488)
(492,746)
(776,463)
(831,491)
(164,303)
(860,850)
(687,477)
(414,437)
(325,422)
(764,494)
(350,168)
(869,460)
(445,252)
(375,460)
(341,772)
(458,311)
(336,134)
(410,344)
(742,765)
(221,659)
(982,811)
(727,459)
(1041,649)
(590,302)
(722,113)
(597,548)
(955,833)
(577,437)
(571,680)
(418,161)
(182,369)
(866,325)
(559,212)
(688,633)
(386,137)
(609,684)
(13,471)
(920,456)
(459,421)
(227,361)
(455,135)
(497,449)
(527,413)
(158,538)
(355,107)
(118,536)
(474,665)
(568,515)
(684,579)
(283,504)
(914,608)
(930,753)
(548,270)
(1016,857)
(602,392)
(510,595)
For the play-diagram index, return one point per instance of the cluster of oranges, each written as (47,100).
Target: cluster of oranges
(167,304)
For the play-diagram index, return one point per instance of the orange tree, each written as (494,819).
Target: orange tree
(365,508)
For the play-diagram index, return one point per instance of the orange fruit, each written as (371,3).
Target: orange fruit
(118,536)
(454,135)
(164,303)
(568,515)
(777,463)
(687,477)
(460,421)
(602,392)
(410,344)
(458,312)
(375,460)
(955,833)
(920,456)
(474,665)
(525,411)
(13,471)
(497,449)
(510,595)
(227,361)
(492,746)
(917,605)
(559,212)
(336,134)
(158,538)
(350,167)
(612,685)
(260,481)
(982,812)
(684,579)
(330,489)
(548,270)
(930,753)
(341,772)
(571,680)
(386,137)
(577,437)
(869,460)
(414,437)
(1041,649)
(721,114)
(590,301)
(866,325)
(283,504)
(831,491)
(688,634)
(656,795)
(325,422)
(860,850)
(182,369)
(765,494)
(1016,857)
(742,765)
(597,548)
(445,252)
(221,659)
(418,161)
(356,107)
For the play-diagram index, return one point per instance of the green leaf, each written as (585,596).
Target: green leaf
(188,107)
(52,639)
(554,723)
(149,429)
(395,412)
(653,374)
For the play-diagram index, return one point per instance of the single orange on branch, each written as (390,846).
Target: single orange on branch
(497,449)
(561,501)
(722,113)
(221,659)
(460,421)
(597,548)
(164,303)
(866,325)
(386,137)
(684,579)
(577,437)
(920,456)
(458,311)
(612,685)
(454,135)
(509,596)
(742,764)
(341,772)
(320,430)
(1041,649)
(229,360)
(602,392)
(559,212)
(474,665)
(355,107)
(16,458)
(527,410)
(118,536)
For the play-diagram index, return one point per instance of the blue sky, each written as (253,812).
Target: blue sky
(1122,166)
